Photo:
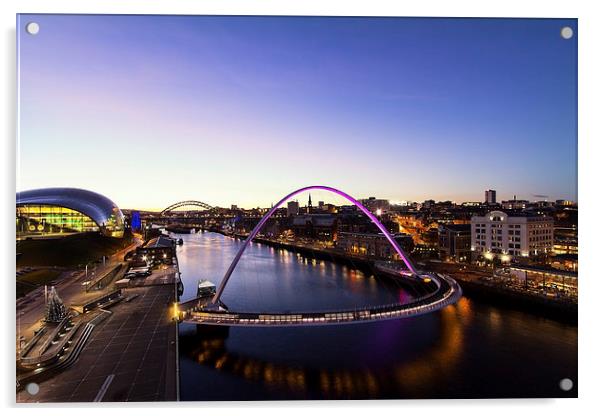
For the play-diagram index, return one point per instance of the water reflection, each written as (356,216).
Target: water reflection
(209,348)
(271,280)
(466,350)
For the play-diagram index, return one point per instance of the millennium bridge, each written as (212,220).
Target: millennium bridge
(441,290)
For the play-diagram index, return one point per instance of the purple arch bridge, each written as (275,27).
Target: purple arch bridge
(267,216)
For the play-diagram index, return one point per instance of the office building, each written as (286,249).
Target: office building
(511,236)
(490,197)
(454,242)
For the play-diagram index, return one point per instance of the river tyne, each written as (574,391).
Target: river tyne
(468,350)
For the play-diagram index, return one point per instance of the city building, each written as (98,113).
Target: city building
(428,204)
(161,249)
(62,211)
(566,246)
(490,197)
(330,208)
(569,262)
(566,221)
(375,245)
(355,221)
(503,236)
(515,204)
(454,242)
(376,206)
(546,277)
(135,221)
(292,208)
(316,226)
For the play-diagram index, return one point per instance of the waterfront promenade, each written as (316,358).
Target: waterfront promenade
(477,282)
(129,355)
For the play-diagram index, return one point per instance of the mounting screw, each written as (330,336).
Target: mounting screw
(32,28)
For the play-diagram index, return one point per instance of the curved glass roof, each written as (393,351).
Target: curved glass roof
(98,207)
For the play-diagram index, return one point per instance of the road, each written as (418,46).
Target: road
(70,287)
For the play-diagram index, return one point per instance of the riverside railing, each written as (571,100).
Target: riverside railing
(449,292)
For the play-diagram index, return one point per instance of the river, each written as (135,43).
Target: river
(468,350)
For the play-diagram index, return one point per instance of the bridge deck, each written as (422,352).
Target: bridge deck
(448,292)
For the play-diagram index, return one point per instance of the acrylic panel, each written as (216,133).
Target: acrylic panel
(295,208)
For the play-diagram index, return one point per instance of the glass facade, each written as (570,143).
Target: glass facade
(48,219)
(67,210)
(115,225)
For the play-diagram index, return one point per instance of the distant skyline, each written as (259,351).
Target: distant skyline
(151,110)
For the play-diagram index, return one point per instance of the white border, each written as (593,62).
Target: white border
(590,34)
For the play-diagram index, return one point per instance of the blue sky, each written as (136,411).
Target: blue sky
(242,110)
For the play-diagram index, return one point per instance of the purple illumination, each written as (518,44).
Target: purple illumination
(355,202)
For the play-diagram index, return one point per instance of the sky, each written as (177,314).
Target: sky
(151,110)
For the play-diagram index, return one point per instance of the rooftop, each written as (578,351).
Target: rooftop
(161,241)
(457,227)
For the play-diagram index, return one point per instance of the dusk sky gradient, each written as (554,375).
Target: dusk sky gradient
(242,110)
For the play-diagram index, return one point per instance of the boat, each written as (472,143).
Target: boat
(205,288)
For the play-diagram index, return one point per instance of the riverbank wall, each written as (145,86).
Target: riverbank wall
(539,305)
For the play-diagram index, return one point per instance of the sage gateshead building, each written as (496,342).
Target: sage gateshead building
(62,211)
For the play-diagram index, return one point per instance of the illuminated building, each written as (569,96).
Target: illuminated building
(563,245)
(161,249)
(372,244)
(566,231)
(376,205)
(546,277)
(454,242)
(135,221)
(61,211)
(506,237)
(515,204)
(568,262)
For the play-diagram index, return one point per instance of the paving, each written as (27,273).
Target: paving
(163,276)
(131,356)
(71,289)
